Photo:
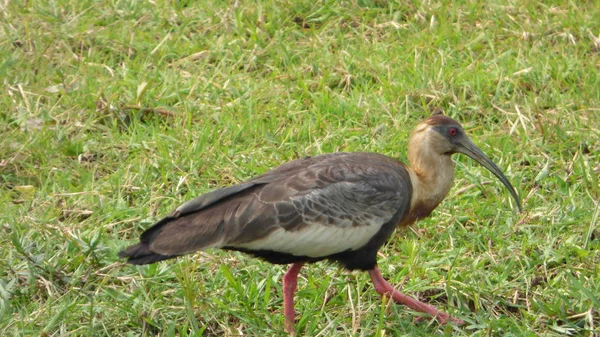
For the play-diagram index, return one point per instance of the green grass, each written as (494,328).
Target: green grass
(113,113)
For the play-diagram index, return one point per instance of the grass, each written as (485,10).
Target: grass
(113,113)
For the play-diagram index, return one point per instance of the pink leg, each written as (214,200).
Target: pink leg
(384,288)
(289,288)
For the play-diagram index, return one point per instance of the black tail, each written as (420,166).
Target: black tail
(141,254)
(205,229)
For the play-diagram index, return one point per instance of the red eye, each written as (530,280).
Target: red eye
(452,131)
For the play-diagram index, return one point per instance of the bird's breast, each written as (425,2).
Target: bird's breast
(417,212)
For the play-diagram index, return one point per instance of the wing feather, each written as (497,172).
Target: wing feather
(309,207)
(340,217)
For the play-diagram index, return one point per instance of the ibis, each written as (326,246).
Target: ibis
(340,207)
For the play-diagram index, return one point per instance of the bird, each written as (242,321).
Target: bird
(341,207)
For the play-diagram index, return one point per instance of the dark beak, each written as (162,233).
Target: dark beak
(466,146)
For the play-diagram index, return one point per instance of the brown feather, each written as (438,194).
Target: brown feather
(440,120)
(284,198)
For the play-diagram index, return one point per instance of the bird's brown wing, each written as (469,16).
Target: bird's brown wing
(309,207)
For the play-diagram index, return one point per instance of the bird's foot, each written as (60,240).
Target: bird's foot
(385,289)
(442,318)
(290,328)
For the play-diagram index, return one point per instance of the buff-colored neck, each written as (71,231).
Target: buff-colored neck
(431,171)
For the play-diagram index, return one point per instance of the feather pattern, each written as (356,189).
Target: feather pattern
(311,208)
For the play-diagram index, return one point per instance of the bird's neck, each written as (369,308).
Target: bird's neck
(431,175)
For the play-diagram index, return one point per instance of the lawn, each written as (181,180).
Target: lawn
(113,113)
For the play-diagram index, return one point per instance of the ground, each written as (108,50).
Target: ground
(113,113)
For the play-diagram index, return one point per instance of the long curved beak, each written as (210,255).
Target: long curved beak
(466,146)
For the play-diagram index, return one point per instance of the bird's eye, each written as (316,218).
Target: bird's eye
(452,131)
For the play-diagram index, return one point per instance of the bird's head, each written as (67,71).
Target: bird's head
(444,136)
